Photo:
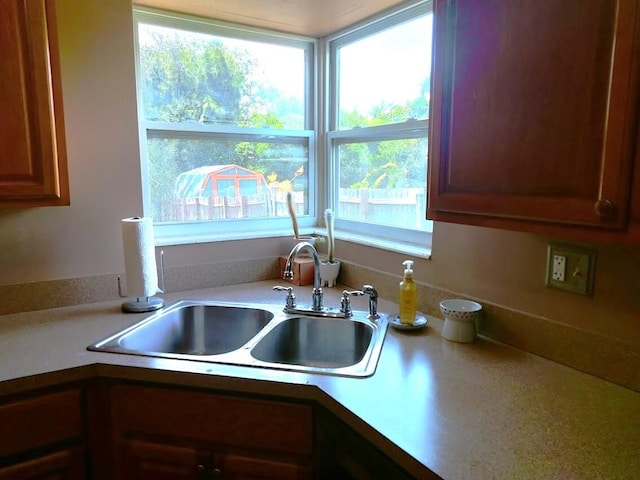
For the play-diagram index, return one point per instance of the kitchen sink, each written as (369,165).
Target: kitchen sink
(254,335)
(315,342)
(193,329)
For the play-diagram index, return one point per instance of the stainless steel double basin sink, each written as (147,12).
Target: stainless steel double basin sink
(256,336)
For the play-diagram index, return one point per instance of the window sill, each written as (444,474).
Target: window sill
(420,251)
(397,246)
(215,237)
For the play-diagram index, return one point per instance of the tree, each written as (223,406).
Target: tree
(201,79)
(383,164)
(195,78)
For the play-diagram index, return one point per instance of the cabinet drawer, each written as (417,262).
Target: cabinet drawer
(39,421)
(213,419)
(63,465)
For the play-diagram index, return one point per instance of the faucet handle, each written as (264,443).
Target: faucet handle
(373,301)
(345,304)
(291,298)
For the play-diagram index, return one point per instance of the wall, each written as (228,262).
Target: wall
(508,268)
(83,240)
(100,117)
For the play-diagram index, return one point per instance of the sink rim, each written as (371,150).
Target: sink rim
(242,356)
(113,343)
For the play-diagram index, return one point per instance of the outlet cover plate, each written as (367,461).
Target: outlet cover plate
(578,272)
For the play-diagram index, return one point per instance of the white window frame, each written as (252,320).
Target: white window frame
(405,240)
(320,132)
(220,230)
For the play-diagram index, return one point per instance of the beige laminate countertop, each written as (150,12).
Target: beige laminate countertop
(464,411)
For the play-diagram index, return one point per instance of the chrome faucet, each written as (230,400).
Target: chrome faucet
(317,309)
(316,295)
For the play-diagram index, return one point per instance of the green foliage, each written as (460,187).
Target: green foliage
(203,80)
(385,164)
(192,80)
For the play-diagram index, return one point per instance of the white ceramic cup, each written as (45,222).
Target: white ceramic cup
(460,318)
(329,273)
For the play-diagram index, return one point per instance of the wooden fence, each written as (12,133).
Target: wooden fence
(401,206)
(404,207)
(270,204)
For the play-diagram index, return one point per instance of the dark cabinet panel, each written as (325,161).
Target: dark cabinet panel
(535,114)
(168,433)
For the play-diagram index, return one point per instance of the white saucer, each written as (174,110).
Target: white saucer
(419,322)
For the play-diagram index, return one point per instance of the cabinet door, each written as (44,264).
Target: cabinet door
(237,467)
(64,465)
(152,461)
(173,433)
(535,112)
(33,168)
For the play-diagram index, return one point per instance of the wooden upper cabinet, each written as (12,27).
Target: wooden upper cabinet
(33,165)
(535,114)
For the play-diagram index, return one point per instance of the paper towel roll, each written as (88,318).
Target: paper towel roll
(139,257)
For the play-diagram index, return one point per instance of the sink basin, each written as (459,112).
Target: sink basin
(315,342)
(189,328)
(254,335)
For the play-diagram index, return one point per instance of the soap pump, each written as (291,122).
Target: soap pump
(408,295)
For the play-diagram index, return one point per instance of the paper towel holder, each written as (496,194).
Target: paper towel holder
(144,304)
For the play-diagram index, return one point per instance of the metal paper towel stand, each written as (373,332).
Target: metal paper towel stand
(144,304)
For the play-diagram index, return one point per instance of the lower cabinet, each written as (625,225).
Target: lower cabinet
(163,433)
(107,430)
(43,436)
(343,454)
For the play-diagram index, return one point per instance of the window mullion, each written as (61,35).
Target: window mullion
(412,129)
(168,127)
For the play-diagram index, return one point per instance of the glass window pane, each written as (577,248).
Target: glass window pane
(384,182)
(196,77)
(198,178)
(384,78)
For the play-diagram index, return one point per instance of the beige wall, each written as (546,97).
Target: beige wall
(506,268)
(84,239)
(100,118)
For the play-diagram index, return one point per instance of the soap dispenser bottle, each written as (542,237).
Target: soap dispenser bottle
(408,295)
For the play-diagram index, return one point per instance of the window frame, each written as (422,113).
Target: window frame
(172,233)
(417,242)
(320,131)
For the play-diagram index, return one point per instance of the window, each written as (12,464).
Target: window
(378,126)
(226,126)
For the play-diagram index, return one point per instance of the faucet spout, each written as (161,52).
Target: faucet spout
(316,303)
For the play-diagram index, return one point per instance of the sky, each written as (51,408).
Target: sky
(390,66)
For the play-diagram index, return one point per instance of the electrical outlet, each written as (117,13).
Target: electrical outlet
(570,268)
(559,268)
